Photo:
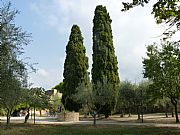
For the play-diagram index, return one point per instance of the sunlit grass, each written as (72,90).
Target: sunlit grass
(27,129)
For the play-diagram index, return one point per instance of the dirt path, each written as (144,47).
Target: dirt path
(153,121)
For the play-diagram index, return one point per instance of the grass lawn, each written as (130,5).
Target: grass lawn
(20,129)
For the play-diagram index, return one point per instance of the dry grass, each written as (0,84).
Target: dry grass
(148,118)
(155,124)
(20,129)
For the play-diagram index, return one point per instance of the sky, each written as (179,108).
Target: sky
(50,22)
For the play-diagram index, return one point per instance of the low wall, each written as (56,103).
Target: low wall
(68,116)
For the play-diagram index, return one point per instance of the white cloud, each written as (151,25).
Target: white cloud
(132,30)
(46,78)
(53,20)
(42,72)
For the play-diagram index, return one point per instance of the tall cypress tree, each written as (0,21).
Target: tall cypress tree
(75,68)
(104,59)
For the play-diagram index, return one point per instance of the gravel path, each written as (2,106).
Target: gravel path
(51,120)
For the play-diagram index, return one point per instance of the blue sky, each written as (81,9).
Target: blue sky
(50,22)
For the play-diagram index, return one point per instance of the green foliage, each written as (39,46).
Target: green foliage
(60,87)
(55,102)
(104,59)
(99,97)
(142,92)
(133,97)
(2,112)
(85,96)
(75,68)
(162,67)
(37,98)
(105,97)
(126,95)
(13,71)
(165,11)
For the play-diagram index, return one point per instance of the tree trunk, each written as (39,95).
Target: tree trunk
(34,115)
(172,112)
(8,116)
(122,113)
(176,113)
(138,113)
(40,112)
(94,116)
(166,112)
(142,114)
(8,122)
(27,116)
(174,102)
(31,114)
(129,111)
(106,115)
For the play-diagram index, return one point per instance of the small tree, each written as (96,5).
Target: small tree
(162,67)
(126,97)
(95,98)
(39,99)
(55,103)
(105,97)
(35,98)
(144,99)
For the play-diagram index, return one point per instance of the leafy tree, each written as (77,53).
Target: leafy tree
(104,59)
(36,98)
(13,71)
(126,97)
(60,87)
(159,100)
(162,68)
(55,103)
(75,68)
(85,96)
(165,11)
(165,104)
(143,98)
(95,99)
(105,97)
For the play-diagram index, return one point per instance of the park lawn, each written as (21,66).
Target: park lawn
(20,129)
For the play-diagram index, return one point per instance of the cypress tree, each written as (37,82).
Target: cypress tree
(104,59)
(75,68)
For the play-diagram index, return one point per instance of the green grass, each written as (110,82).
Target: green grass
(20,129)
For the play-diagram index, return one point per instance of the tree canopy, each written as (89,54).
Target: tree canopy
(75,68)
(164,11)
(104,59)
(13,71)
(104,65)
(162,67)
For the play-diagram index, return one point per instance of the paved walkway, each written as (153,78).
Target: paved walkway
(52,120)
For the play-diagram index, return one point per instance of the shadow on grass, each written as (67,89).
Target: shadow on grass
(29,129)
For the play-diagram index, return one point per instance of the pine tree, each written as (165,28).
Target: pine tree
(104,59)
(75,68)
